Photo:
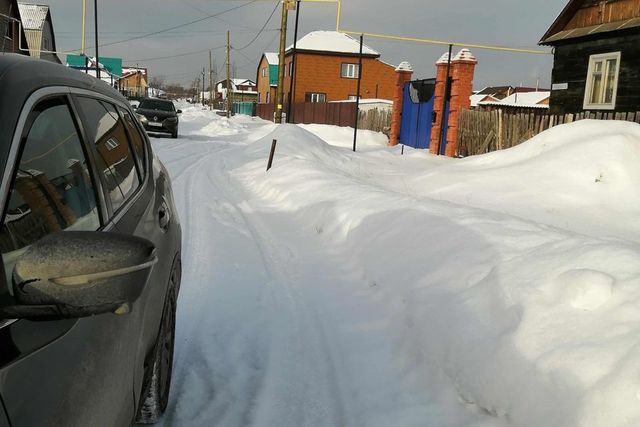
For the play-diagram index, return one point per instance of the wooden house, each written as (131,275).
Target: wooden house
(11,32)
(596,56)
(38,29)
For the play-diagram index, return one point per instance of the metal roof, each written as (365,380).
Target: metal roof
(595,29)
(33,16)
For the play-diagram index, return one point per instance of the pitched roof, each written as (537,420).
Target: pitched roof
(557,31)
(33,16)
(522,100)
(332,42)
(272,58)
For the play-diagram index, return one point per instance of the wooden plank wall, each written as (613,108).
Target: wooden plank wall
(480,132)
(337,114)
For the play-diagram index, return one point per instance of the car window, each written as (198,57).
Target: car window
(52,188)
(137,141)
(114,158)
(152,104)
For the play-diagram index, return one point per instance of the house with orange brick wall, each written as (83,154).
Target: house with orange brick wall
(267,78)
(327,70)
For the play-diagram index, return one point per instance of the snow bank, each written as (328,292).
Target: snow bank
(530,324)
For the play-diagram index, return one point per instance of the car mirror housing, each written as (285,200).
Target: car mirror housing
(75,274)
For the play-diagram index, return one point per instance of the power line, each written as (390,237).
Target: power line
(179,26)
(172,56)
(261,29)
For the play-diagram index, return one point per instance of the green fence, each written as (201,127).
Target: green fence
(243,108)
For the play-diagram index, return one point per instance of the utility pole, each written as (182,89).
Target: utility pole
(204,80)
(286,5)
(84,32)
(292,76)
(355,130)
(210,82)
(444,120)
(228,91)
(95,13)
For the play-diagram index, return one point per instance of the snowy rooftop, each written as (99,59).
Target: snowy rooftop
(272,58)
(33,16)
(524,100)
(332,41)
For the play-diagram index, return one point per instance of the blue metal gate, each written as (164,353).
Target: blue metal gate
(417,113)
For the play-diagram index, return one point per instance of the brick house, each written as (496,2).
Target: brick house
(327,70)
(267,80)
(242,90)
(596,56)
(11,32)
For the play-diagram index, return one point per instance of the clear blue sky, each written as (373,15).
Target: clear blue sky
(516,23)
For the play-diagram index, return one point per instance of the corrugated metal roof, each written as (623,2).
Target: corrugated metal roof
(33,16)
(595,29)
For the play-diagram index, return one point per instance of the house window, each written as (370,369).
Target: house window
(268,97)
(291,68)
(264,72)
(602,81)
(315,97)
(352,98)
(350,71)
(45,44)
(8,33)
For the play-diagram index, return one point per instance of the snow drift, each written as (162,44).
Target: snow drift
(497,290)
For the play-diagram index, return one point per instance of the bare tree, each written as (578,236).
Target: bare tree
(157,82)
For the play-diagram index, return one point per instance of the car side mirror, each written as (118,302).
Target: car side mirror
(75,274)
(179,111)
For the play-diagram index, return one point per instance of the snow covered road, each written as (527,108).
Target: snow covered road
(337,290)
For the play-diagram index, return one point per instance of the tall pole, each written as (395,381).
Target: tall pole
(210,82)
(293,67)
(355,130)
(445,101)
(84,25)
(204,80)
(95,15)
(283,42)
(228,74)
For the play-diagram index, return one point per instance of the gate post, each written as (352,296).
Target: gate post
(404,72)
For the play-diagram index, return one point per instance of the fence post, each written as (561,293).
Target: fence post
(271,154)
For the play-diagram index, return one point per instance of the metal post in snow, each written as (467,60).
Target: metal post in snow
(355,130)
(271,154)
(292,74)
(445,99)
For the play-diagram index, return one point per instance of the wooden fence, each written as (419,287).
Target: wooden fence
(337,114)
(480,132)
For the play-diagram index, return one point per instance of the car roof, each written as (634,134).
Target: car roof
(20,76)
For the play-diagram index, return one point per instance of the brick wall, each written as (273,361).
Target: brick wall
(321,73)
(263,85)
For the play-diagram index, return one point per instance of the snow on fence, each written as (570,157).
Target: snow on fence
(481,132)
(337,114)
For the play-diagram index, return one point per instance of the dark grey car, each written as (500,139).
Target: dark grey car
(159,115)
(90,245)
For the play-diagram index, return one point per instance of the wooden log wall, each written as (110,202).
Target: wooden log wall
(481,132)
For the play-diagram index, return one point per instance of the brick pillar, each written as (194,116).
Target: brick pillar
(404,72)
(441,76)
(463,68)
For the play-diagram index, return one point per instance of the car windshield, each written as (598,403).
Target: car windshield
(152,104)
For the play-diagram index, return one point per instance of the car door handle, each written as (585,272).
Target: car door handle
(164,216)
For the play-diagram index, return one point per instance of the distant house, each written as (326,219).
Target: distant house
(267,78)
(11,31)
(520,102)
(596,56)
(134,82)
(242,90)
(327,70)
(496,92)
(110,68)
(38,29)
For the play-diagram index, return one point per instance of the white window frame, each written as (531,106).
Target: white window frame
(264,72)
(605,57)
(351,71)
(315,97)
